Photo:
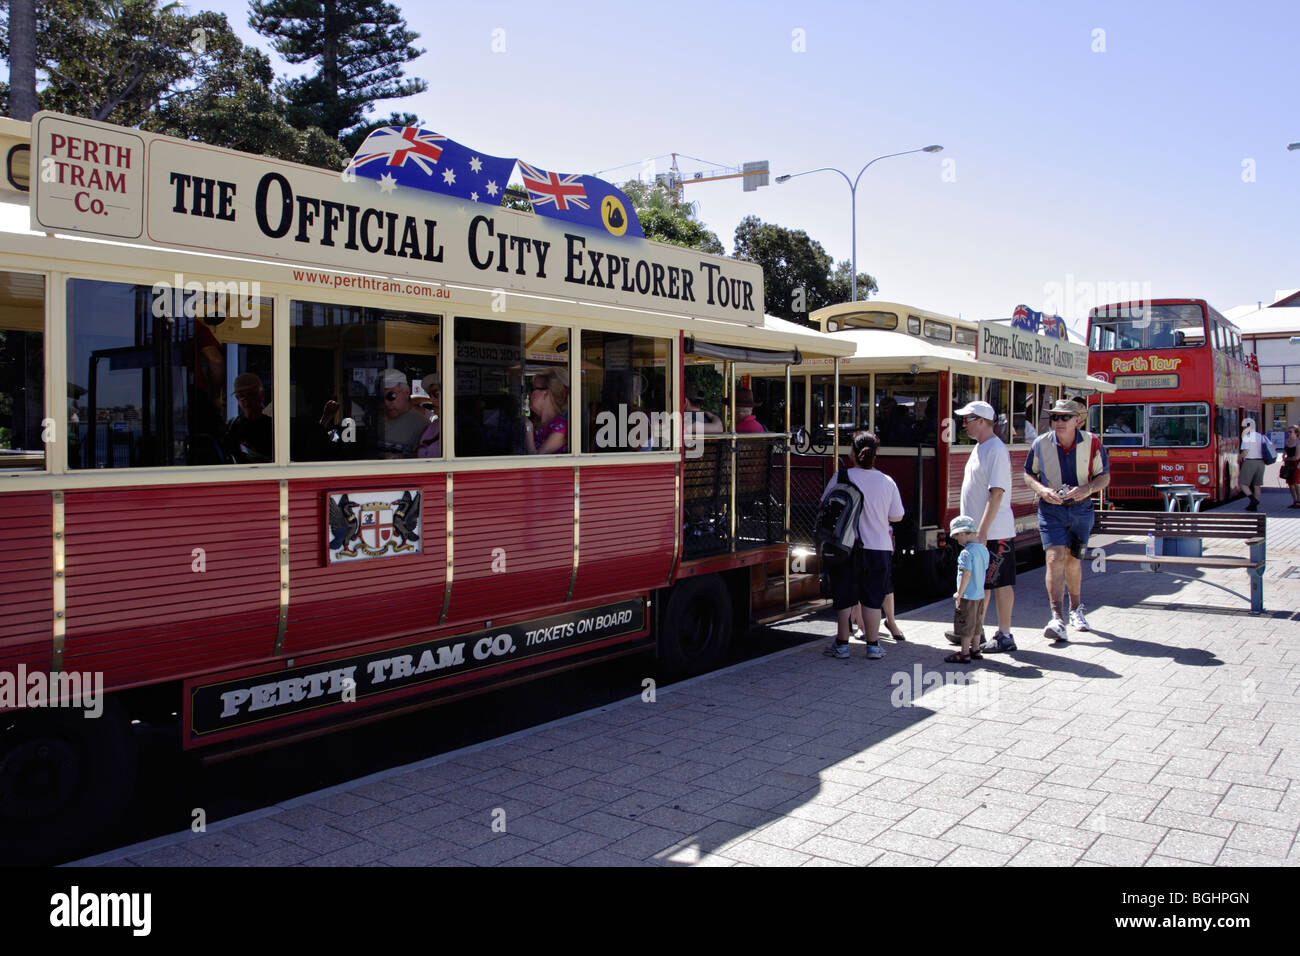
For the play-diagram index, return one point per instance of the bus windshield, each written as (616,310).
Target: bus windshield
(1158,425)
(1119,328)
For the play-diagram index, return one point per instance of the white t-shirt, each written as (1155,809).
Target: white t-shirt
(1252,445)
(989,466)
(880,502)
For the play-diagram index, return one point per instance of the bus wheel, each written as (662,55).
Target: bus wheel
(64,777)
(696,627)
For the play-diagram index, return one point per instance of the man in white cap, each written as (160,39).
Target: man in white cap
(986,497)
(402,425)
(1065,467)
(249,435)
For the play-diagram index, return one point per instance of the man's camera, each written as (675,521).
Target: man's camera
(1064,490)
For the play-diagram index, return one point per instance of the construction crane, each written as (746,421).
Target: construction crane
(753,174)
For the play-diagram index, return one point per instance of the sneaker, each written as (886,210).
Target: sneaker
(999,643)
(1077,620)
(838,651)
(875,652)
(1055,631)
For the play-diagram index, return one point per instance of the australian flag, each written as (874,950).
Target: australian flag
(581,200)
(416,158)
(1026,318)
(1055,326)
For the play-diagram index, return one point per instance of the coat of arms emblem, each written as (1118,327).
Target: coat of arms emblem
(372,525)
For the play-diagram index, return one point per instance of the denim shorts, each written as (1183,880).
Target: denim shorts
(1065,526)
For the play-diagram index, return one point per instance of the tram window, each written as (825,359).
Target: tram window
(770,394)
(363,383)
(965,336)
(868,320)
(1120,426)
(164,376)
(939,331)
(1179,425)
(913,325)
(1047,397)
(625,401)
(907,408)
(965,389)
(1024,413)
(22,371)
(512,387)
(854,403)
(997,392)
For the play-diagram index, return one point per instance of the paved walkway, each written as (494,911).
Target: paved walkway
(1169,735)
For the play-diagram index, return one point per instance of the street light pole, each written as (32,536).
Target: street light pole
(853,199)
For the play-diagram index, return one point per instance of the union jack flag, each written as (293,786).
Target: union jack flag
(551,188)
(398,144)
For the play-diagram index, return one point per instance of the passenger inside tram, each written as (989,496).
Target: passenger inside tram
(399,431)
(249,436)
(430,445)
(546,431)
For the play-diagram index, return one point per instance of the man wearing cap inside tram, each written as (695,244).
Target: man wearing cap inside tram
(1065,467)
(400,429)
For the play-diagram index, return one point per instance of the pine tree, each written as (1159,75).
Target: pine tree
(359,47)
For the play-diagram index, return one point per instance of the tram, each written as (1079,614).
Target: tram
(1186,387)
(910,370)
(283,451)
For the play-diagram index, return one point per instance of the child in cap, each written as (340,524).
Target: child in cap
(969,598)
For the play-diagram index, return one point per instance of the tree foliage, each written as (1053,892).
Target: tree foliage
(798,277)
(360,49)
(667,219)
(135,63)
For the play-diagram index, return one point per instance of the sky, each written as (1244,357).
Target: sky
(1092,149)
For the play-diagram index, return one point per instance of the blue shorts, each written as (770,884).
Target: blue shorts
(1065,526)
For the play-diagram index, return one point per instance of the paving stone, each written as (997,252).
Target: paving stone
(843,851)
(1191,847)
(1046,854)
(1118,851)
(579,843)
(759,853)
(973,856)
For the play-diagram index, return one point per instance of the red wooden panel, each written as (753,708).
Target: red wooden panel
(338,604)
(626,537)
(26,578)
(528,513)
(136,608)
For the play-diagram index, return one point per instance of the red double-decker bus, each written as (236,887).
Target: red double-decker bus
(1184,387)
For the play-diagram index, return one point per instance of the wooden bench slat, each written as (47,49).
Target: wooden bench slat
(1202,562)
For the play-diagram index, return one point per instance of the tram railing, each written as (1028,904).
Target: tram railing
(756,498)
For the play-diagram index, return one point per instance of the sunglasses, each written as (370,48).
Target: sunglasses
(1063,418)
(390,396)
(540,388)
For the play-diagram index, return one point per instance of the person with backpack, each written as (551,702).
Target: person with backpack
(854,544)
(1256,453)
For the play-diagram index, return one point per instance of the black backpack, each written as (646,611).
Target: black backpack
(836,531)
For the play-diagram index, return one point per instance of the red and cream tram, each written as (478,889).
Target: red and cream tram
(283,451)
(911,369)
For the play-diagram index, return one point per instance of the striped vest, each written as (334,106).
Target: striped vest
(1047,463)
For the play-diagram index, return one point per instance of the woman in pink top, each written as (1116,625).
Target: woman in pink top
(745,420)
(547,431)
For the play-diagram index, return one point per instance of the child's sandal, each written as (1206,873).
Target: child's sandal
(977,655)
(957,658)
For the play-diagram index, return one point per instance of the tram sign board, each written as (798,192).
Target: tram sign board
(139,187)
(1028,352)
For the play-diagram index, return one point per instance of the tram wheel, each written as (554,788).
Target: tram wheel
(64,777)
(696,628)
(939,570)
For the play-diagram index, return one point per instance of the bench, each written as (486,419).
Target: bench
(1249,528)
